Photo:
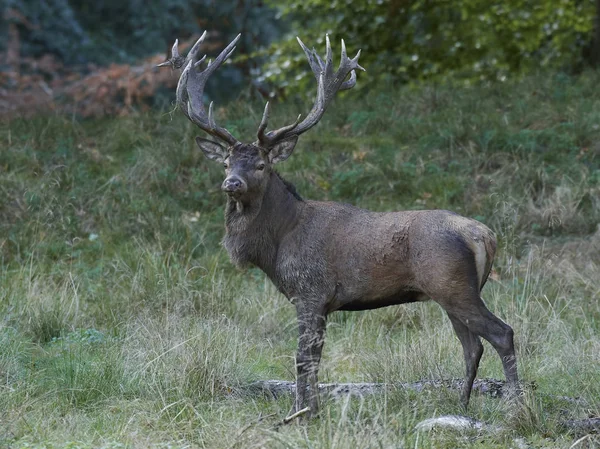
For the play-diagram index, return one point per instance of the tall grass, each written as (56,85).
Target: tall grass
(124,325)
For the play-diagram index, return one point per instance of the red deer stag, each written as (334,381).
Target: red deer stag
(327,256)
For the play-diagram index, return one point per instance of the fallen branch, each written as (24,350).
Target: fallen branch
(587,425)
(489,387)
(276,388)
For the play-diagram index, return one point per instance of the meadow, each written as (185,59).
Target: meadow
(123,324)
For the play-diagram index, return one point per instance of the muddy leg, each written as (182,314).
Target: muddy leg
(473,350)
(481,321)
(311,328)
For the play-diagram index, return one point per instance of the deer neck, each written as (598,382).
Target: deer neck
(255,229)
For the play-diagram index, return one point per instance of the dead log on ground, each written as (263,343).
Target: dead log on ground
(276,388)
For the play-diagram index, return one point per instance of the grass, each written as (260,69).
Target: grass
(124,325)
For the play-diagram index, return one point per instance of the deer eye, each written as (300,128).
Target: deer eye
(260,166)
(225,165)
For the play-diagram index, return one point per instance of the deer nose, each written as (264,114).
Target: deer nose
(233,184)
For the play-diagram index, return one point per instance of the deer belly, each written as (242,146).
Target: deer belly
(375,303)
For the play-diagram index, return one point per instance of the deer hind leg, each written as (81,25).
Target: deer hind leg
(473,350)
(484,323)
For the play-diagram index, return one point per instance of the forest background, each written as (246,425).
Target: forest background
(92,54)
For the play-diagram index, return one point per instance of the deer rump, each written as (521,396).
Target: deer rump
(327,256)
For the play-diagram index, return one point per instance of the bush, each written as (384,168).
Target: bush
(406,40)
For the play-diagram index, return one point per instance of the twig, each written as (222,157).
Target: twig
(293,416)
(580,440)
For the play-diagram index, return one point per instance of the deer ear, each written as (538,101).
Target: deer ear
(212,150)
(282,150)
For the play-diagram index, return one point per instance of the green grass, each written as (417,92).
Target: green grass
(123,324)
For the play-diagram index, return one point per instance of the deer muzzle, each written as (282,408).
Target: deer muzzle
(234,186)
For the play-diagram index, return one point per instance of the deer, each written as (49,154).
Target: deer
(327,256)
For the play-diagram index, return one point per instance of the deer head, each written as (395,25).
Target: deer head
(248,165)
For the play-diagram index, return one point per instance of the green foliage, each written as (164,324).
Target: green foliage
(404,40)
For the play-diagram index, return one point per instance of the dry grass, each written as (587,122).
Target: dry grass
(124,325)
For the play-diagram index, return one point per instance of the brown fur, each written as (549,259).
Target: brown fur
(327,256)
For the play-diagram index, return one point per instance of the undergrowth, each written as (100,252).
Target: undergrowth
(123,324)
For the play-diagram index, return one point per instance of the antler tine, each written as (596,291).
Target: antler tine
(190,88)
(328,56)
(194,50)
(329,83)
(211,117)
(177,61)
(264,121)
(350,83)
(355,61)
(175,49)
(181,95)
(266,139)
(313,59)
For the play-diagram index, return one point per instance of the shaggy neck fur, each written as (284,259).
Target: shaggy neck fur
(255,228)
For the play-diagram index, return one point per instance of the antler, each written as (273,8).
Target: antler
(190,89)
(329,83)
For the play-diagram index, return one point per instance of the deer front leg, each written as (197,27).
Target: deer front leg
(311,330)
